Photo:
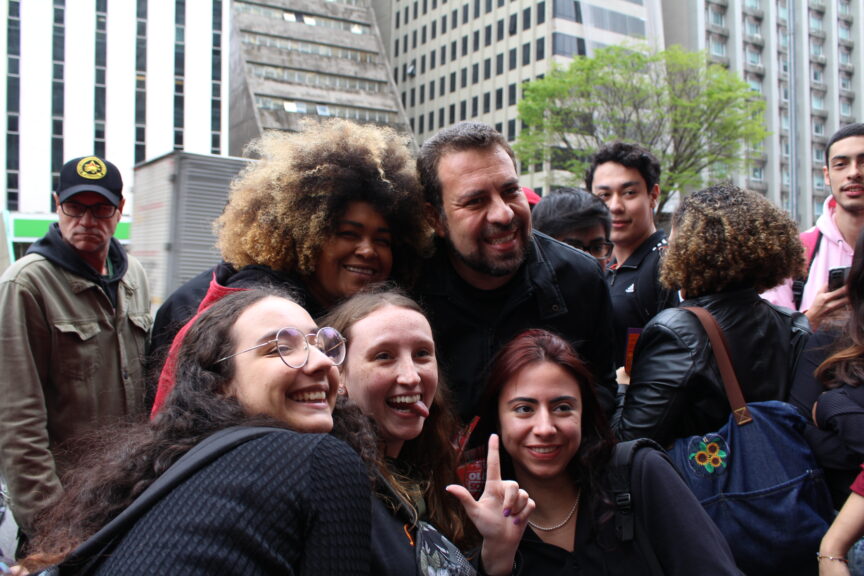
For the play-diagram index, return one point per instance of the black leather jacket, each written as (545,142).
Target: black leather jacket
(559,288)
(675,389)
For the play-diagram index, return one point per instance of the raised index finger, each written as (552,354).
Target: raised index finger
(493,461)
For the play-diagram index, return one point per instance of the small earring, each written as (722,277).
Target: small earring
(341,390)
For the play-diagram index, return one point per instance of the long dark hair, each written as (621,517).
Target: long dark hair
(534,347)
(125,459)
(847,365)
(430,458)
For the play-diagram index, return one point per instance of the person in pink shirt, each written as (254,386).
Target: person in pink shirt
(841,221)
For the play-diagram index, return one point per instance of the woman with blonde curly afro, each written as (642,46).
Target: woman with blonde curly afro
(727,245)
(323,211)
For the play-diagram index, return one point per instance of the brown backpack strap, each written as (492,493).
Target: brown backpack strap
(724,363)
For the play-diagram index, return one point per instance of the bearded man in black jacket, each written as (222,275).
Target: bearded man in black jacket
(492,277)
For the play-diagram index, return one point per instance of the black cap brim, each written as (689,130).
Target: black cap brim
(72,190)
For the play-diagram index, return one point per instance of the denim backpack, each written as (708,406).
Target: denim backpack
(757,478)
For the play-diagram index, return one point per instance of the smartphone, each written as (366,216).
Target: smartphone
(837,277)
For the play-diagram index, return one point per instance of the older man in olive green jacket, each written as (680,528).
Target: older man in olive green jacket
(74,323)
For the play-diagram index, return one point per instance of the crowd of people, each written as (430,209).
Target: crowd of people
(441,369)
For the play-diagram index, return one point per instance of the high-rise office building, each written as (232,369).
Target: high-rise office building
(806,58)
(136,79)
(459,60)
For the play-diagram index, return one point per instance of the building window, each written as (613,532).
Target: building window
(718,47)
(541,13)
(753,28)
(717,16)
(216,76)
(754,58)
(540,51)
(99,92)
(844,32)
(755,84)
(567,10)
(817,101)
(487,68)
(13,100)
(817,74)
(816,22)
(818,181)
(818,154)
(511,95)
(526,54)
(818,127)
(567,45)
(845,108)
(526,18)
(511,130)
(57,91)
(499,98)
(179,71)
(816,48)
(757,174)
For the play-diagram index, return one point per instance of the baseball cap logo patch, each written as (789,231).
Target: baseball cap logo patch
(92,168)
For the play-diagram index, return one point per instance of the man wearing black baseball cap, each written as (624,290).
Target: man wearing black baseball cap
(74,322)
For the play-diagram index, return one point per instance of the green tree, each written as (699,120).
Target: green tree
(693,115)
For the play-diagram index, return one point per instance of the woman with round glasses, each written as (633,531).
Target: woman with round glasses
(391,373)
(325,210)
(281,503)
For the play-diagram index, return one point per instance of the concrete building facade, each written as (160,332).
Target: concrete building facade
(806,57)
(134,80)
(457,60)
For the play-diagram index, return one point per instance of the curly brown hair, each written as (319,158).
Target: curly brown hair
(283,207)
(726,238)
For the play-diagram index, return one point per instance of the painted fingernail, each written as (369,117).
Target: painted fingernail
(506,512)
(516,521)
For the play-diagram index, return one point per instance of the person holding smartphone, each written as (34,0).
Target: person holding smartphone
(829,244)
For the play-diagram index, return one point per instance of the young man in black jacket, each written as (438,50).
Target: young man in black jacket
(492,277)
(627,178)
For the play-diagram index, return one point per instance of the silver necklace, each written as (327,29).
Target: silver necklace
(563,522)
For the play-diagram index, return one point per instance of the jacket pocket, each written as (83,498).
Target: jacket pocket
(77,355)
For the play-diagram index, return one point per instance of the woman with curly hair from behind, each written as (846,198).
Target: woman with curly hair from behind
(727,245)
(324,211)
